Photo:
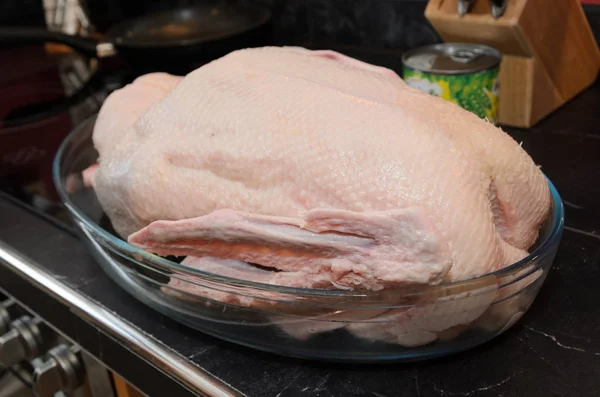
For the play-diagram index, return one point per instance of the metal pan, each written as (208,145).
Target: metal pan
(198,32)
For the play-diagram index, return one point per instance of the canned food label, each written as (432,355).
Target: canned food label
(476,92)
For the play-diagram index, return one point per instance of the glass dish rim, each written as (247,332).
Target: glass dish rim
(155,260)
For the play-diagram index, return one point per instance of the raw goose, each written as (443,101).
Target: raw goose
(330,170)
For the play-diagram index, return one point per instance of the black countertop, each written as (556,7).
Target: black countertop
(554,350)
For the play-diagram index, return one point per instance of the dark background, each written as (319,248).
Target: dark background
(381,25)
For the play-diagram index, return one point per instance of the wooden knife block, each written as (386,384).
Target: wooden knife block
(549,52)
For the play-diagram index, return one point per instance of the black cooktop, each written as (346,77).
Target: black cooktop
(554,350)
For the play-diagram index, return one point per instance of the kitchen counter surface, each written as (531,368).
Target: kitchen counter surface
(554,350)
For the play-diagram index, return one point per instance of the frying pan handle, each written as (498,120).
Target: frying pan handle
(33,35)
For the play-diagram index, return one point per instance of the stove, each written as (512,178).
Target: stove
(44,96)
(47,91)
(55,324)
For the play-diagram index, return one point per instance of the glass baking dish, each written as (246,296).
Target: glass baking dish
(359,326)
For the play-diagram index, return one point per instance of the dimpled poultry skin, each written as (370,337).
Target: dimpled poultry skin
(331,171)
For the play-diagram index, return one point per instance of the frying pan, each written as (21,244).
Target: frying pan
(190,33)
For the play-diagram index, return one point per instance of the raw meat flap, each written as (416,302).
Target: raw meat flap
(350,249)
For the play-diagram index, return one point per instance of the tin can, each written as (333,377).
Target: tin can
(463,73)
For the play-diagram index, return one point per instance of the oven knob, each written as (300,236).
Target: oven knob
(22,342)
(62,372)
(5,316)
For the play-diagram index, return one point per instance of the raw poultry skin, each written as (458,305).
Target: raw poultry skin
(330,170)
(286,133)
